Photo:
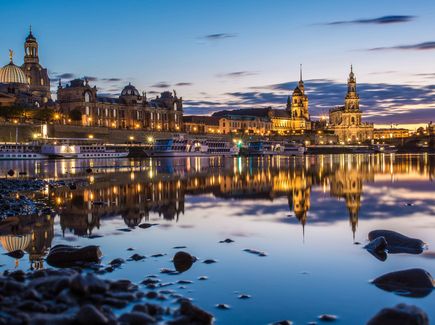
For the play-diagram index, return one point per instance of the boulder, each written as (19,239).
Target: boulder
(183,261)
(136,318)
(401,314)
(89,314)
(398,243)
(410,283)
(377,247)
(65,255)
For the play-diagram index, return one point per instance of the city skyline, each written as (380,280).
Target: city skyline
(238,61)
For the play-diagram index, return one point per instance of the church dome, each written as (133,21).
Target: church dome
(130,90)
(10,73)
(14,243)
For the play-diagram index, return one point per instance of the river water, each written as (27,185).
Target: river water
(308,215)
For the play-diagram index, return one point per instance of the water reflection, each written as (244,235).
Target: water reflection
(135,190)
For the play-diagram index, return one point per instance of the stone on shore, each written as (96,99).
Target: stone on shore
(183,261)
(398,243)
(65,255)
(377,248)
(401,314)
(410,283)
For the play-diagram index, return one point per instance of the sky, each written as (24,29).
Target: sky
(222,54)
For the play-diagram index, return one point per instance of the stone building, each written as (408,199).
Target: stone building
(246,124)
(345,120)
(27,85)
(79,103)
(390,133)
(201,124)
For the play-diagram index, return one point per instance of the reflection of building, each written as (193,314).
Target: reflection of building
(34,236)
(299,197)
(345,120)
(79,104)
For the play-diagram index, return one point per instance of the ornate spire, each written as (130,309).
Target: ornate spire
(300,72)
(11,55)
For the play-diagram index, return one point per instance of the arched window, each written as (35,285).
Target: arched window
(87,97)
(42,82)
(175,106)
(353,120)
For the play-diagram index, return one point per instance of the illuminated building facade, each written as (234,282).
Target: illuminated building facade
(345,120)
(79,104)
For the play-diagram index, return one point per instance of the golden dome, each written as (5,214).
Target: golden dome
(14,243)
(10,73)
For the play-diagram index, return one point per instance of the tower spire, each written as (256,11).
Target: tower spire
(11,55)
(300,72)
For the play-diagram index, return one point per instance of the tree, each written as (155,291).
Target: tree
(43,114)
(75,115)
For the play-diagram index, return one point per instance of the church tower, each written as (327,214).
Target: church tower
(37,76)
(299,103)
(351,102)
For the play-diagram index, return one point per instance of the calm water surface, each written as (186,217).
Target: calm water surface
(305,213)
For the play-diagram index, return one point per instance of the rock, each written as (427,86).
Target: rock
(327,317)
(147,225)
(410,283)
(179,247)
(136,318)
(398,243)
(183,261)
(244,296)
(184,282)
(255,252)
(136,257)
(169,271)
(15,254)
(283,322)
(117,262)
(203,277)
(78,285)
(377,248)
(209,261)
(89,314)
(193,314)
(401,314)
(158,255)
(227,241)
(65,255)
(223,306)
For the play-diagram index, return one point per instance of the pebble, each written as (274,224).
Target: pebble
(255,252)
(209,261)
(227,241)
(328,317)
(223,306)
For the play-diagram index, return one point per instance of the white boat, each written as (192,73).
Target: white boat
(182,147)
(21,151)
(80,148)
(265,148)
(384,148)
(293,149)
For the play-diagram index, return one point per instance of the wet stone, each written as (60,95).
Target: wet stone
(411,283)
(89,314)
(244,296)
(158,255)
(183,261)
(203,277)
(255,252)
(136,257)
(117,262)
(398,243)
(209,261)
(401,314)
(327,317)
(283,322)
(227,241)
(222,306)
(136,317)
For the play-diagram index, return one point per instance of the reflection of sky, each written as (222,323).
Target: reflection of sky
(302,276)
(212,61)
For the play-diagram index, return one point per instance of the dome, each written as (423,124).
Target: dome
(130,90)
(10,73)
(30,37)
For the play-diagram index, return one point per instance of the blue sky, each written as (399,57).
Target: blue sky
(231,54)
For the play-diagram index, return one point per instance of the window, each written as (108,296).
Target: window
(87,97)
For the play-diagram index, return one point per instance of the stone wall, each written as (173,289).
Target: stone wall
(18,132)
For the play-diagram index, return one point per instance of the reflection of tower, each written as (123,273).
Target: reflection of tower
(299,198)
(42,236)
(347,183)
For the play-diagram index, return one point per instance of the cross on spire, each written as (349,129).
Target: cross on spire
(300,72)
(11,55)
